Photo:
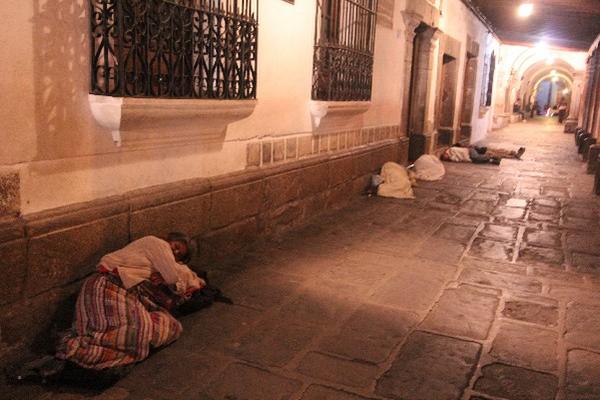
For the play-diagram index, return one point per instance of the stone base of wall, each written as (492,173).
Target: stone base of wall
(515,118)
(500,121)
(570,126)
(45,256)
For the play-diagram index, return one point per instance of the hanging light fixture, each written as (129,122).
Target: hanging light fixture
(525,10)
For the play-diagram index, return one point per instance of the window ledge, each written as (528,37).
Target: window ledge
(320,110)
(146,122)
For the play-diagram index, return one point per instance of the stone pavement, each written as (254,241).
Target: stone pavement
(486,286)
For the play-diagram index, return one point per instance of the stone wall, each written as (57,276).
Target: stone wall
(44,256)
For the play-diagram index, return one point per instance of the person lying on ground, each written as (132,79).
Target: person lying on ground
(479,155)
(126,308)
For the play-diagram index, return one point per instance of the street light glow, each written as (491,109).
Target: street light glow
(525,10)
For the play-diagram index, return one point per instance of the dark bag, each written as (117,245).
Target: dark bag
(202,298)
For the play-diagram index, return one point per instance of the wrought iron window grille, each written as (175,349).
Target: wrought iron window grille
(203,49)
(343,51)
(487,86)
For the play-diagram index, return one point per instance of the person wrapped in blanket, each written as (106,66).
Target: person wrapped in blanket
(479,155)
(125,309)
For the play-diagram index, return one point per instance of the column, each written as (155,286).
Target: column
(572,119)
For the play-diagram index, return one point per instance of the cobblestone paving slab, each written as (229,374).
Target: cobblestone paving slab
(509,213)
(516,383)
(338,370)
(466,311)
(219,323)
(547,202)
(583,375)
(581,224)
(499,232)
(370,334)
(512,283)
(584,243)
(535,313)
(543,238)
(580,212)
(414,288)
(494,266)
(430,367)
(533,255)
(266,292)
(583,325)
(586,263)
(321,303)
(316,392)
(441,250)
(467,220)
(516,202)
(491,249)
(240,381)
(526,346)
(477,207)
(274,343)
(459,233)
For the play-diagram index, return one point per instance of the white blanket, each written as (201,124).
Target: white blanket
(396,182)
(429,168)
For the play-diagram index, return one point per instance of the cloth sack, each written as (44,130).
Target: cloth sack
(396,182)
(429,168)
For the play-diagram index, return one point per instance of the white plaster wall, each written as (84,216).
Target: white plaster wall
(457,21)
(65,157)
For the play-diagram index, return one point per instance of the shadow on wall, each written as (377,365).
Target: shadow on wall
(61,69)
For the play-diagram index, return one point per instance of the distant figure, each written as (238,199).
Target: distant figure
(535,109)
(562,111)
(517,108)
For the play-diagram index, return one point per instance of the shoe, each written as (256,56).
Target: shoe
(520,152)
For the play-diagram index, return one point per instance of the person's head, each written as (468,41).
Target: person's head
(445,155)
(183,247)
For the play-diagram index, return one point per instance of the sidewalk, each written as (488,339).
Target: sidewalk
(485,286)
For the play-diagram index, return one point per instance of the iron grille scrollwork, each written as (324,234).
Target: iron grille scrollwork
(343,53)
(174,48)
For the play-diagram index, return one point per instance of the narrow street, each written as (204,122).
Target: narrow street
(486,286)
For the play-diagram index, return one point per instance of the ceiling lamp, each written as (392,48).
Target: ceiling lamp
(525,10)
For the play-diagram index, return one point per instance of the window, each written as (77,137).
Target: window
(488,81)
(344,44)
(174,48)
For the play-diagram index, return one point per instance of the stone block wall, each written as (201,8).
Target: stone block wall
(44,256)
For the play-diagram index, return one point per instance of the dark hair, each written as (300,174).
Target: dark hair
(190,244)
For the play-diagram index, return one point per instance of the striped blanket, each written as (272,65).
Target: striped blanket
(114,327)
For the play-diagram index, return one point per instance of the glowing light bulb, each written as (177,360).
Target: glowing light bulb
(565,91)
(525,10)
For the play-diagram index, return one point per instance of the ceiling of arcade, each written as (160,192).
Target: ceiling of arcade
(572,24)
